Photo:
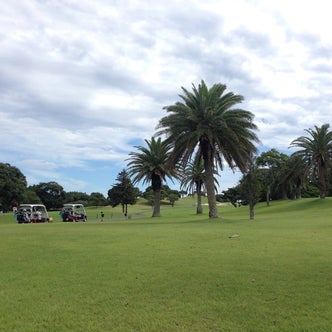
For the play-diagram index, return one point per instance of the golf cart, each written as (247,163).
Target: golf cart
(32,213)
(73,213)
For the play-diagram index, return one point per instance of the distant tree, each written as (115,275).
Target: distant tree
(208,122)
(149,195)
(251,188)
(232,195)
(171,195)
(13,185)
(311,190)
(192,178)
(293,177)
(97,199)
(77,197)
(123,192)
(272,162)
(30,196)
(165,189)
(51,194)
(316,151)
(150,164)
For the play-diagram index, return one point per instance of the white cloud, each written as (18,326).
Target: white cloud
(81,82)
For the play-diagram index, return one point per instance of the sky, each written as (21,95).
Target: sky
(83,82)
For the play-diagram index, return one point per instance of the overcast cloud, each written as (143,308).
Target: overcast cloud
(82,82)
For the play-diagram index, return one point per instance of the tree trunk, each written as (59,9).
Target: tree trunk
(322,182)
(199,209)
(251,211)
(268,190)
(298,192)
(156,203)
(209,184)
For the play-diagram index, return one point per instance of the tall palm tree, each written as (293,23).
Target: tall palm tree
(206,123)
(150,164)
(316,151)
(192,178)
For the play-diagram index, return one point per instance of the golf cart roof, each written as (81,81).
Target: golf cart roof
(73,206)
(30,206)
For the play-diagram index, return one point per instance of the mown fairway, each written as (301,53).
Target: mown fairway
(180,272)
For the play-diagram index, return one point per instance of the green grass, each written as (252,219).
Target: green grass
(180,272)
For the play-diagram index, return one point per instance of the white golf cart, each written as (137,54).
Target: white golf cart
(73,213)
(32,213)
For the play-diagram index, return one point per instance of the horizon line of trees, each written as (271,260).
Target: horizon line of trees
(14,191)
(206,131)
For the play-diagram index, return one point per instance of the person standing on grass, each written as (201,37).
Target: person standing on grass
(102,215)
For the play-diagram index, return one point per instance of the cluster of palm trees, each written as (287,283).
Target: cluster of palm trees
(203,132)
(205,127)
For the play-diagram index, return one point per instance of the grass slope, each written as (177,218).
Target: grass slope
(180,272)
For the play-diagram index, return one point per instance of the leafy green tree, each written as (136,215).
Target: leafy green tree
(13,185)
(208,123)
(77,197)
(169,194)
(173,196)
(30,196)
(97,199)
(251,188)
(316,151)
(150,164)
(311,190)
(232,195)
(272,162)
(123,192)
(149,195)
(51,194)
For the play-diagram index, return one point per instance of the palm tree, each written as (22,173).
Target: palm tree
(205,123)
(150,164)
(316,151)
(292,177)
(192,178)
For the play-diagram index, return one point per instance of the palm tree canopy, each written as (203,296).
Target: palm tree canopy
(150,163)
(316,151)
(317,147)
(193,175)
(206,119)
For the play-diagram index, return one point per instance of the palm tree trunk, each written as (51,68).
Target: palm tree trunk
(199,209)
(209,184)
(156,203)
(322,181)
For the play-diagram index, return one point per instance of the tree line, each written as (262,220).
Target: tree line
(205,131)
(14,190)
